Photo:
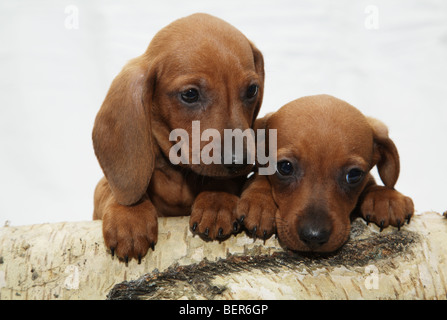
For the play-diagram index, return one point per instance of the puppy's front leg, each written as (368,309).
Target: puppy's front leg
(129,231)
(213,215)
(385,206)
(257,208)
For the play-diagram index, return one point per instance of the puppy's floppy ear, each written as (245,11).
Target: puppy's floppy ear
(259,67)
(263,152)
(122,136)
(385,155)
(261,123)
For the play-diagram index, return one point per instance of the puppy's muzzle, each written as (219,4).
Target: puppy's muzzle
(236,159)
(315,228)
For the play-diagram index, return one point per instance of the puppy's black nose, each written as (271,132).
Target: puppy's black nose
(236,166)
(314,226)
(314,236)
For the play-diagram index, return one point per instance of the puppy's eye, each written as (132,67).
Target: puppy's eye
(354,176)
(284,168)
(252,91)
(190,96)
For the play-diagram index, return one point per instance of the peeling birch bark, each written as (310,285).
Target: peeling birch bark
(70,261)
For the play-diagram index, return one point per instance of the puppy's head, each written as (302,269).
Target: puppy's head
(325,149)
(198,68)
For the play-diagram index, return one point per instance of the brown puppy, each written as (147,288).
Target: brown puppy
(325,150)
(197,68)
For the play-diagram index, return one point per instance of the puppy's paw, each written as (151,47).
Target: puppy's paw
(213,215)
(257,211)
(129,231)
(385,206)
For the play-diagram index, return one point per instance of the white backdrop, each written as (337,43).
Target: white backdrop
(58,58)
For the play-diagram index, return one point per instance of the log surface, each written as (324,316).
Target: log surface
(70,261)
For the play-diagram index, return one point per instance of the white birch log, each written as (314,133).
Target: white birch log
(70,261)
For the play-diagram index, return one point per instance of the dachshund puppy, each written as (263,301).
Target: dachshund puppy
(325,150)
(198,68)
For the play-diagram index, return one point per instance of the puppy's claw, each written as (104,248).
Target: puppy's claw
(194,227)
(381,225)
(112,251)
(220,233)
(139,259)
(398,224)
(126,260)
(241,220)
(367,218)
(253,232)
(235,226)
(153,246)
(408,218)
(264,236)
(207,231)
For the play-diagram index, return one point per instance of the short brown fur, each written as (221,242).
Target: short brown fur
(142,107)
(323,138)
